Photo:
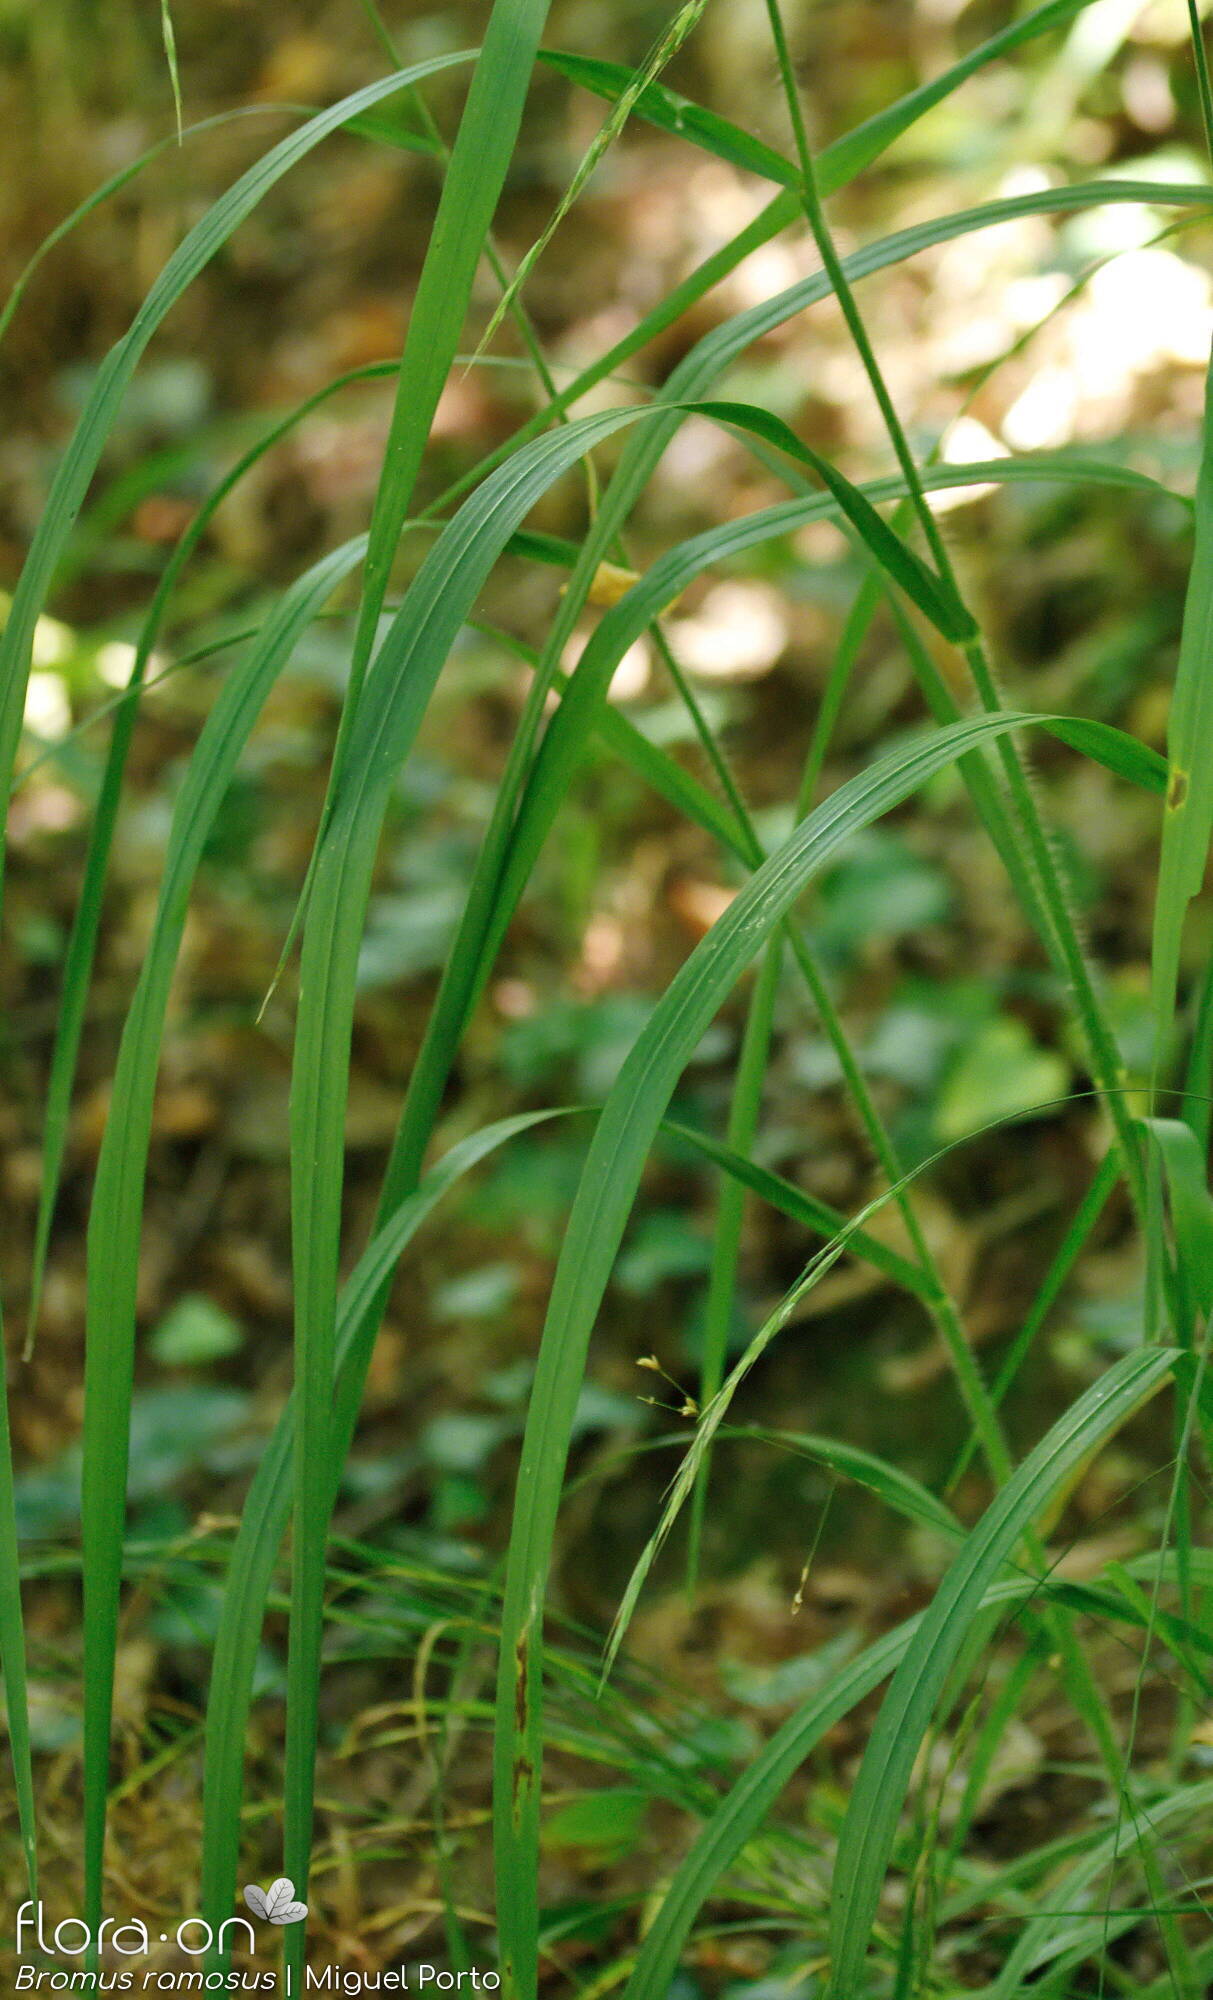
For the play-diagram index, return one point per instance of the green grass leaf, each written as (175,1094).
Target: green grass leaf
(896,1489)
(745,1808)
(82,943)
(812,1214)
(377,731)
(12,1646)
(672,113)
(849,155)
(681,118)
(1188,820)
(879,1793)
(407,664)
(922,585)
(584,701)
(671,38)
(1060,1266)
(116,182)
(117,1205)
(267,1508)
(1049,1937)
(83,454)
(471,186)
(1191,1205)
(170,56)
(609,1180)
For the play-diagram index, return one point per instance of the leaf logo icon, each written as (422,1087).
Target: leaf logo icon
(276,1904)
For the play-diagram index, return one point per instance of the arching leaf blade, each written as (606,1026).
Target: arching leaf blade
(117,1206)
(870,1826)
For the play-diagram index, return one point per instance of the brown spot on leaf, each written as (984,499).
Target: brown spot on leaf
(1177,790)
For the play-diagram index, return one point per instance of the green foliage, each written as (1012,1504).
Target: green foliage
(818,889)
(195,1331)
(1000,1072)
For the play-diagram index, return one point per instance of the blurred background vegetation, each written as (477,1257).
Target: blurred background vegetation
(1066,332)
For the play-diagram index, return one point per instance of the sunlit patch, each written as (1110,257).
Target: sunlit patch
(1145,308)
(737,634)
(114,662)
(1143,311)
(1044,415)
(698,904)
(698,453)
(48,709)
(631,676)
(53,641)
(603,953)
(967,442)
(515,999)
(716,201)
(767,271)
(1029,300)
